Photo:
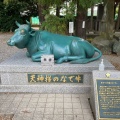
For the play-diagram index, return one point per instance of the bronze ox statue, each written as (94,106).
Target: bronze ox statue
(64,48)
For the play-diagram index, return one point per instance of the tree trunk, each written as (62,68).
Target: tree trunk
(81,16)
(58,11)
(40,12)
(107,23)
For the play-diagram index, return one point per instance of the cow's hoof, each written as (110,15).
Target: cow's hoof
(27,54)
(59,61)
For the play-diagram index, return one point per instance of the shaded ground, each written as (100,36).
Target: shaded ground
(6,51)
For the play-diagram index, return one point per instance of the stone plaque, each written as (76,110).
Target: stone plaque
(56,78)
(105,95)
(108,96)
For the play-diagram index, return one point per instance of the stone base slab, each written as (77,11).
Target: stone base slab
(46,88)
(15,69)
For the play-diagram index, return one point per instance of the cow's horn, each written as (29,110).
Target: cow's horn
(28,22)
(18,24)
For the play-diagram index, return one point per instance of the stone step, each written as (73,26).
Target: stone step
(47,88)
(14,75)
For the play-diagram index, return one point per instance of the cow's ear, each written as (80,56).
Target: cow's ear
(32,32)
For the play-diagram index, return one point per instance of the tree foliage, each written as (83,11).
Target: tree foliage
(54,24)
(87,3)
(9,13)
(14,10)
(75,5)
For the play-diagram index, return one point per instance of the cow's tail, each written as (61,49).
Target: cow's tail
(86,60)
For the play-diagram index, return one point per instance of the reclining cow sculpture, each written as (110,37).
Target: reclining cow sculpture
(64,48)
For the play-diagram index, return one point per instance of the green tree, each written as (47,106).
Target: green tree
(14,10)
(82,6)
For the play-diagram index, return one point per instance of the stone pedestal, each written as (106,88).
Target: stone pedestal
(14,75)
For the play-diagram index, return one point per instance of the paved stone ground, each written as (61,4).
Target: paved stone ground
(45,106)
(18,106)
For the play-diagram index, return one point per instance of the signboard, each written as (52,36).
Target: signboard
(71,27)
(56,78)
(35,20)
(108,99)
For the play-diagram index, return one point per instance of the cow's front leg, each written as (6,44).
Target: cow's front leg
(69,58)
(37,56)
(27,54)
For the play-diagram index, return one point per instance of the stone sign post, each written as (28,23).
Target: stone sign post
(105,95)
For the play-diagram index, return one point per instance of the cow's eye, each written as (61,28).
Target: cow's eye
(22,32)
(16,30)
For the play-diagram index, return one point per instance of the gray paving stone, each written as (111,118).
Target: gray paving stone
(27,96)
(79,117)
(68,117)
(25,99)
(32,105)
(35,95)
(59,105)
(49,111)
(38,117)
(59,100)
(85,105)
(75,95)
(41,105)
(18,117)
(87,111)
(43,95)
(76,100)
(82,100)
(5,105)
(15,104)
(23,104)
(58,117)
(76,105)
(48,117)
(42,100)
(88,117)
(11,110)
(21,110)
(67,100)
(58,111)
(77,111)
(50,99)
(3,110)
(28,115)
(68,111)
(50,105)
(67,105)
(17,99)
(34,99)
(59,96)
(20,95)
(39,111)
(67,95)
(51,95)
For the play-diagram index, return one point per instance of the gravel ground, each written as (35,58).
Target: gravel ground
(6,51)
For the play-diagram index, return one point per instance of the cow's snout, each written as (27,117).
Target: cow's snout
(10,42)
